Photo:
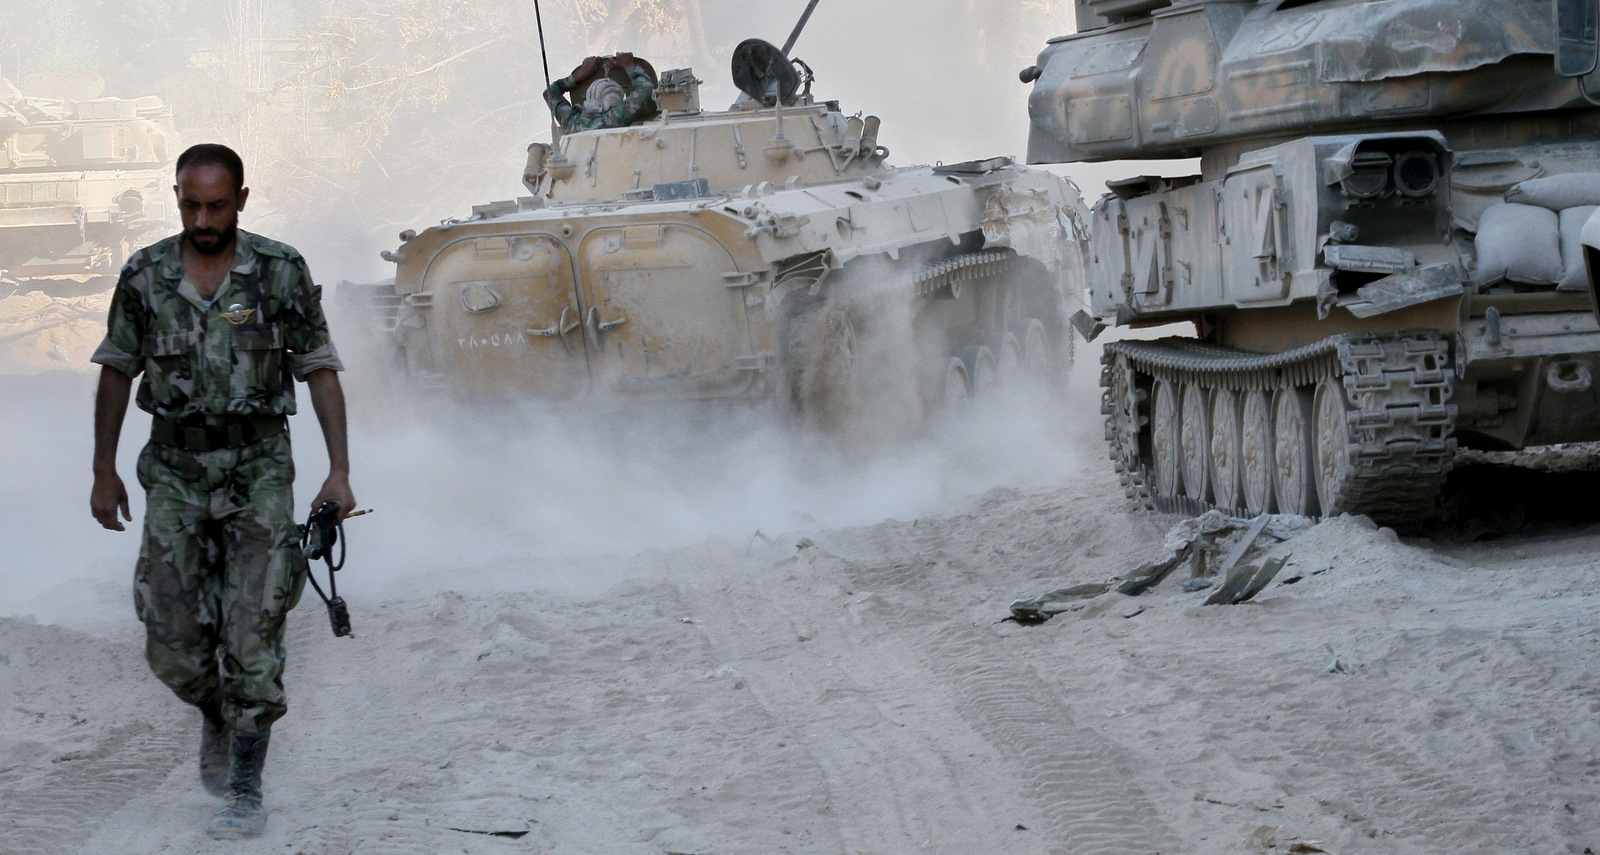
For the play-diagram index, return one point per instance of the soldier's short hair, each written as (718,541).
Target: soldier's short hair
(214,154)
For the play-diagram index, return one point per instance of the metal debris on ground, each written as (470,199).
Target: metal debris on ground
(1196,541)
(1246,581)
(753,538)
(1046,606)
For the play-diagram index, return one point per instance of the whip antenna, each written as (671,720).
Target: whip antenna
(544,57)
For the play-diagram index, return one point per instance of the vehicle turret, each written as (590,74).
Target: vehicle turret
(1210,78)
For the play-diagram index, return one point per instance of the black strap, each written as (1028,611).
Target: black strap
(200,437)
(318,536)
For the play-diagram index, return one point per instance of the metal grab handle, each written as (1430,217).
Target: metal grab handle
(600,326)
(560,329)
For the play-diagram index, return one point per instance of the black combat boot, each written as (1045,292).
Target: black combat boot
(215,734)
(243,815)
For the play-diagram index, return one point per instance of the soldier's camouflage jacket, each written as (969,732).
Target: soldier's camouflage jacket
(571,118)
(234,357)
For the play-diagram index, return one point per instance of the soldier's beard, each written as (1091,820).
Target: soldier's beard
(211,241)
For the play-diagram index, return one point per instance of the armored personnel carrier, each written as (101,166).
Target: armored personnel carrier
(83,180)
(1379,255)
(764,252)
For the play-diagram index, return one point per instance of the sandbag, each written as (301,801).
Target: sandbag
(1558,192)
(1576,277)
(1521,243)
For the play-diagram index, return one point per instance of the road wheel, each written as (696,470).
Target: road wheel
(1008,358)
(1165,431)
(1195,441)
(1225,448)
(955,392)
(823,367)
(1037,362)
(1255,452)
(983,371)
(1333,445)
(1294,481)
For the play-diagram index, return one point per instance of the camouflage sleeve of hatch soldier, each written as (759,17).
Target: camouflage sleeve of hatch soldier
(639,99)
(556,98)
(305,328)
(123,346)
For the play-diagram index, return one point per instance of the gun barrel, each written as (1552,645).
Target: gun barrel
(800,25)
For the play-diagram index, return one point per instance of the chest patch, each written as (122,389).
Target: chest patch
(237,314)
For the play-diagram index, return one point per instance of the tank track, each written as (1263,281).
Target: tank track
(1398,446)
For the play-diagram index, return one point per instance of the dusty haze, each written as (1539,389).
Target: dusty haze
(570,638)
(368,94)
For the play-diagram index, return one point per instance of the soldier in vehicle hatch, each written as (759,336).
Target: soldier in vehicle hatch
(605,105)
(221,323)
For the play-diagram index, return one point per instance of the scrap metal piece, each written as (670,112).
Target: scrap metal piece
(1245,582)
(1150,574)
(1042,608)
(1263,577)
(1411,288)
(1257,526)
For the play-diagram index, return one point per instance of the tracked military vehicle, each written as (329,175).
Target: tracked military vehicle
(1379,254)
(83,180)
(766,252)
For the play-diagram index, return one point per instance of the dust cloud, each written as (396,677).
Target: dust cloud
(530,497)
(356,124)
(517,497)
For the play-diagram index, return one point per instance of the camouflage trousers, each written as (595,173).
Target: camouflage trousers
(220,566)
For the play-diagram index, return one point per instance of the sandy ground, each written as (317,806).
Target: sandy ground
(835,688)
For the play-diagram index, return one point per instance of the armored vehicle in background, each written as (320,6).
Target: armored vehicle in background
(83,180)
(765,252)
(1379,255)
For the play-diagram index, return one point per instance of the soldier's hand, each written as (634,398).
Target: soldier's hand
(336,489)
(586,69)
(624,61)
(107,498)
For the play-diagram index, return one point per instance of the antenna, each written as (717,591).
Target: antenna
(544,57)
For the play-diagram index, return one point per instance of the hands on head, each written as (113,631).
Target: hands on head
(586,69)
(593,65)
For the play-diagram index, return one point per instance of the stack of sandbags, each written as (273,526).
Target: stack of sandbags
(1533,237)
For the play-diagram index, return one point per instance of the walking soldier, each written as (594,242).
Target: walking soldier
(218,321)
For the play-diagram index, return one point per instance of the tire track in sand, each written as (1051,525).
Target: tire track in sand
(872,722)
(926,741)
(58,810)
(1082,781)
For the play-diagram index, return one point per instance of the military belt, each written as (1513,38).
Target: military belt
(200,437)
